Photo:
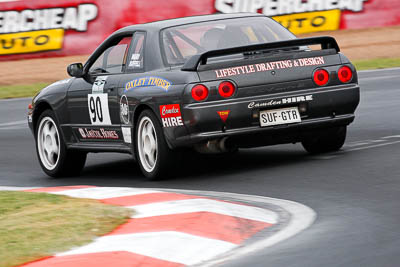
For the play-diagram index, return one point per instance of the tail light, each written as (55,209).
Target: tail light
(345,74)
(226,89)
(321,77)
(199,92)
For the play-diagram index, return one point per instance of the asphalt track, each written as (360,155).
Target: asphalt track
(355,192)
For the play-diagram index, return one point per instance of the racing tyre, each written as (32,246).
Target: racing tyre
(155,158)
(54,158)
(326,141)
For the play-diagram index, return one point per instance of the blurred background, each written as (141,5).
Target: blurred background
(39,38)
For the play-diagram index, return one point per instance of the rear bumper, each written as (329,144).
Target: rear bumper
(323,108)
(257,136)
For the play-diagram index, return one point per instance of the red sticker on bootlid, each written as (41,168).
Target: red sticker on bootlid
(169,111)
(171,115)
(223,114)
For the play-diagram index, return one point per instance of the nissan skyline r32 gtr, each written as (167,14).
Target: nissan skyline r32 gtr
(213,83)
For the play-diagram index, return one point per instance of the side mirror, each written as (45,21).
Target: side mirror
(75,70)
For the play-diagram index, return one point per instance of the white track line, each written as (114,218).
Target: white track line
(205,205)
(104,192)
(391,136)
(379,78)
(170,246)
(379,70)
(14,123)
(372,146)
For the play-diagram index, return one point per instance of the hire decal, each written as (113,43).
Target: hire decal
(287,100)
(36,30)
(171,115)
(101,133)
(262,67)
(298,16)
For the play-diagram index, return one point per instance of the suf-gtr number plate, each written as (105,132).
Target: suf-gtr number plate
(279,116)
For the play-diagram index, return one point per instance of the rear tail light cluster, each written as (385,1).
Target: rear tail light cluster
(226,89)
(321,76)
(199,92)
(345,74)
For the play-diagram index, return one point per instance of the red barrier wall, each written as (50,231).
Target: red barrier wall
(42,28)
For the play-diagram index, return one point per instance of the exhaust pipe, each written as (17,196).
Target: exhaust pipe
(216,146)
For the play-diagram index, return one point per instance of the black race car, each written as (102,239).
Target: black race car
(213,83)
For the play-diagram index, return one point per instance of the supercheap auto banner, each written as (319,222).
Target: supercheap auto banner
(42,28)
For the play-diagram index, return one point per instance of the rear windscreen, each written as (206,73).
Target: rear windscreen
(182,42)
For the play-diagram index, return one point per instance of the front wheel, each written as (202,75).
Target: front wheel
(54,158)
(154,156)
(328,140)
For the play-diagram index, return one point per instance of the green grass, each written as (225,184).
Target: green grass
(35,225)
(26,90)
(381,63)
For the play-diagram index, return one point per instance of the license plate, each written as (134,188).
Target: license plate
(279,116)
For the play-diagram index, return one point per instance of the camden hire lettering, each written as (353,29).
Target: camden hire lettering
(287,100)
(171,115)
(262,67)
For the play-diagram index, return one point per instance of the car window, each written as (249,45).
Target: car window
(182,42)
(113,58)
(136,60)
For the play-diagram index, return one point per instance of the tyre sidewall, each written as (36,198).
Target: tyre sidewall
(55,171)
(326,141)
(163,161)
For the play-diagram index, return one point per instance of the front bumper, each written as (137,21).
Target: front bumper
(324,107)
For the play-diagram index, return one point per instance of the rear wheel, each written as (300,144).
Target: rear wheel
(328,140)
(54,158)
(154,156)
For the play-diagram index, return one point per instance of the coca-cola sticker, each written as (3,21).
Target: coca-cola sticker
(171,115)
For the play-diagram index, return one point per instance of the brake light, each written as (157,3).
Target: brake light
(321,77)
(345,74)
(226,89)
(199,92)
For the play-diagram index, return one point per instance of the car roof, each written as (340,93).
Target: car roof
(159,25)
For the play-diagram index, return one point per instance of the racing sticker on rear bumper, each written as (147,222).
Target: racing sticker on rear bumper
(269,66)
(224,114)
(171,115)
(282,101)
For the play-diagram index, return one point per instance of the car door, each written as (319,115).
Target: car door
(93,101)
(134,69)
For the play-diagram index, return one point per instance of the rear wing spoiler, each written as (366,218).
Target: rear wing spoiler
(326,42)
